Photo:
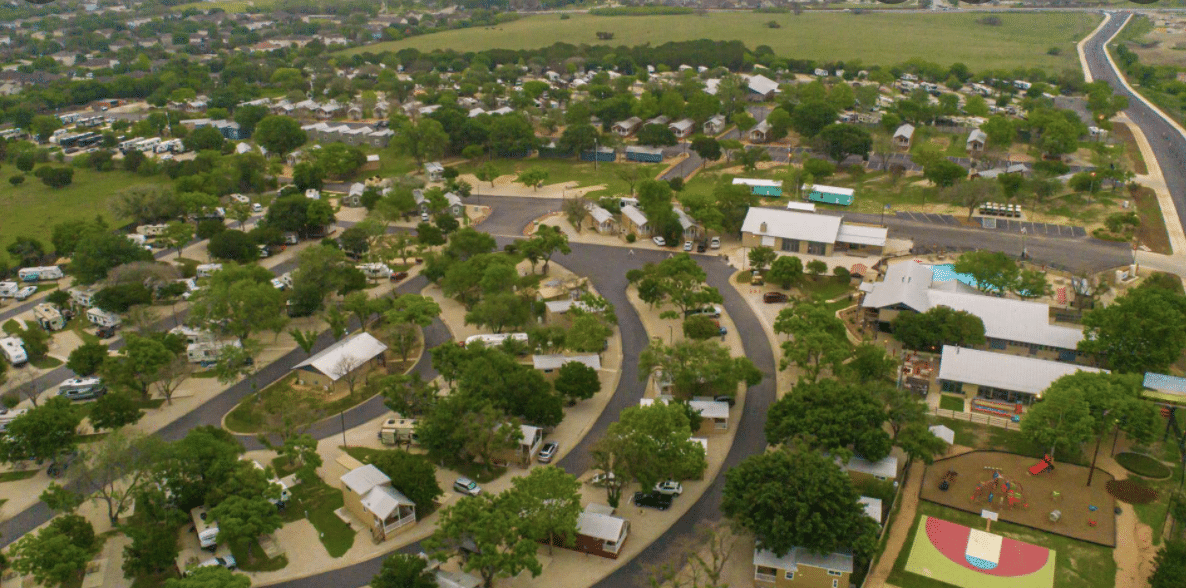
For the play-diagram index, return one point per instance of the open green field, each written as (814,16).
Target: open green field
(231,6)
(32,209)
(887,39)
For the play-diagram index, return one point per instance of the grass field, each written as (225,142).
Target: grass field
(231,6)
(32,209)
(1020,41)
(570,170)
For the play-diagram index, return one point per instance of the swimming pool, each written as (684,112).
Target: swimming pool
(946,273)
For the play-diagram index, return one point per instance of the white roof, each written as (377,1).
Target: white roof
(906,130)
(886,468)
(685,221)
(839,562)
(710,409)
(635,215)
(789,224)
(447,579)
(382,501)
(755,182)
(872,507)
(803,206)
(862,234)
(552,362)
(977,135)
(361,480)
(355,349)
(943,432)
(600,526)
(1002,370)
(829,189)
(599,214)
(683,124)
(762,84)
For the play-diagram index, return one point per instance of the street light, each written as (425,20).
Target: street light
(1023,233)
(883,209)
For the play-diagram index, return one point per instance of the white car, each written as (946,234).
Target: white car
(670,487)
(659,241)
(715,243)
(25,292)
(687,245)
(226,561)
(257,207)
(424,217)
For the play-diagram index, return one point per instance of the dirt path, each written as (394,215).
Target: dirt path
(1134,550)
(901,528)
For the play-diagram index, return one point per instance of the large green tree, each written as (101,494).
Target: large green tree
(829,415)
(930,330)
(1141,331)
(210,577)
(412,474)
(649,444)
(817,338)
(280,134)
(404,570)
(697,368)
(44,433)
(495,529)
(1062,420)
(993,271)
(550,500)
(678,281)
(1115,404)
(58,553)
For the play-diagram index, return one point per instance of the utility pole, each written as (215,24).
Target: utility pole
(596,152)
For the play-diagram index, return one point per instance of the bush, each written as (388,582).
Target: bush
(209,228)
(701,327)
(564,17)
(17,180)
(819,168)
(233,245)
(1054,51)
(1051,168)
(630,238)
(841,272)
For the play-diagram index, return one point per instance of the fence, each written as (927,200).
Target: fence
(889,518)
(977,418)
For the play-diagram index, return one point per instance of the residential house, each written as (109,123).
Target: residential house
(599,532)
(683,128)
(1001,377)
(354,112)
(660,120)
(230,130)
(380,110)
(903,136)
(761,88)
(715,125)
(368,494)
(550,364)
(714,413)
(353,198)
(453,203)
(557,311)
(1017,326)
(625,128)
(976,141)
(346,362)
(863,470)
(760,133)
(435,171)
(802,568)
(792,231)
(601,220)
(525,450)
(635,222)
(692,229)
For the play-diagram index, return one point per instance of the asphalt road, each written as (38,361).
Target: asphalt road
(1168,145)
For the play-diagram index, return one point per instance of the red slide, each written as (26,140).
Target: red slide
(1041,466)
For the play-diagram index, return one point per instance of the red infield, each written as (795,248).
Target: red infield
(984,552)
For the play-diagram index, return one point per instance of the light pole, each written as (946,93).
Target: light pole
(883,209)
(342,416)
(1023,233)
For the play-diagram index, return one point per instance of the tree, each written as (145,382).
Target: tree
(404,570)
(242,520)
(944,173)
(993,271)
(153,549)
(649,444)
(706,147)
(58,553)
(1169,565)
(279,134)
(577,381)
(244,306)
(60,499)
(36,342)
(27,250)
(99,251)
(43,126)
(656,135)
(550,500)
(939,326)
(546,241)
(308,175)
(340,160)
(87,358)
(870,363)
(839,141)
(1061,421)
(701,327)
(114,410)
(204,138)
(818,338)
(533,177)
(234,246)
(750,158)
(116,467)
(301,451)
(1139,332)
(500,547)
(177,235)
(488,172)
(422,141)
(809,118)
(780,497)
(210,577)
(576,139)
(760,257)
(831,416)
(678,280)
(786,271)
(44,433)
(1030,284)
(697,368)
(138,364)
(411,474)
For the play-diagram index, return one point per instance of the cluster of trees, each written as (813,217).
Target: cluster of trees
(1140,331)
(677,281)
(647,445)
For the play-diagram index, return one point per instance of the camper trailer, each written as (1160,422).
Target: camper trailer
(82,388)
(39,274)
(82,296)
(102,318)
(151,230)
(7,415)
(493,340)
(206,529)
(285,495)
(192,335)
(14,350)
(207,269)
(207,352)
(49,317)
(375,271)
(398,431)
(9,289)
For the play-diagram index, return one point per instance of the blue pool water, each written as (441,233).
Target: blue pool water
(946,273)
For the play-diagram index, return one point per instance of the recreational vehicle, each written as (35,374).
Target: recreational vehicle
(206,529)
(82,388)
(398,431)
(151,230)
(25,293)
(493,340)
(375,271)
(83,296)
(7,415)
(14,350)
(207,352)
(49,317)
(285,495)
(192,335)
(38,274)
(9,289)
(207,269)
(102,318)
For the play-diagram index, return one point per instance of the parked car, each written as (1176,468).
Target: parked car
(257,207)
(652,499)
(716,243)
(713,311)
(226,561)
(774,297)
(701,247)
(687,245)
(670,487)
(548,452)
(424,216)
(659,241)
(467,486)
(397,276)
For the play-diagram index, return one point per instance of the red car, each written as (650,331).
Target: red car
(398,276)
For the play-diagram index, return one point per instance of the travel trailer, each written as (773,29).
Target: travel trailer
(102,318)
(49,317)
(38,274)
(207,352)
(375,271)
(82,388)
(14,350)
(206,529)
(7,415)
(207,269)
(398,431)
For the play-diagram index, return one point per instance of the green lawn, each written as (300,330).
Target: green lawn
(317,501)
(1078,564)
(1022,40)
(1143,465)
(32,209)
(46,363)
(11,326)
(955,403)
(230,6)
(1011,440)
(249,416)
(824,287)
(16,476)
(571,170)
(258,561)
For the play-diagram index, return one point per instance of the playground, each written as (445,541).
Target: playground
(972,558)
(1054,498)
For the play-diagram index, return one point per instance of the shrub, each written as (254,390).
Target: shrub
(209,228)
(631,238)
(819,168)
(17,180)
(841,272)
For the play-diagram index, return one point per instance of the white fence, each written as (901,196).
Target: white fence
(978,418)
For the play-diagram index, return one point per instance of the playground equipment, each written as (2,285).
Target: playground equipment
(1055,515)
(1000,489)
(948,480)
(1045,465)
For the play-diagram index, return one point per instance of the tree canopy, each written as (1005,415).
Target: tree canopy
(1141,331)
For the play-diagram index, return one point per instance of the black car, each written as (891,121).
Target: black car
(652,499)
